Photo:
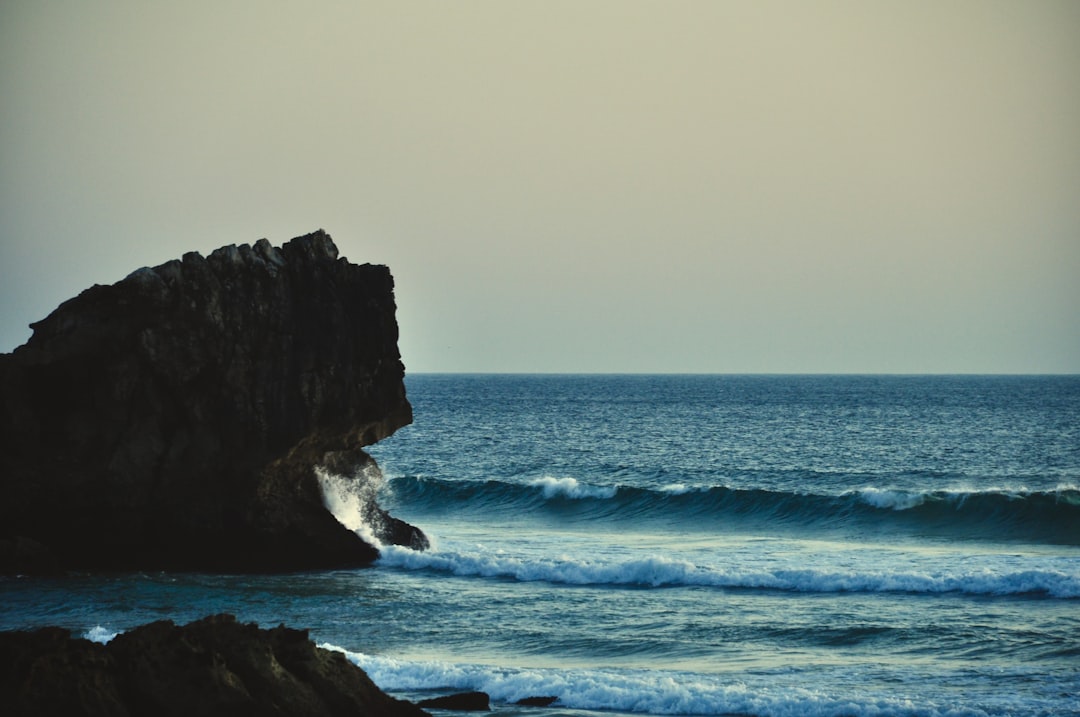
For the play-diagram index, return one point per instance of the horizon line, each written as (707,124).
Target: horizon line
(747,373)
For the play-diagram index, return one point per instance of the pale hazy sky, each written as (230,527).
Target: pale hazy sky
(576,186)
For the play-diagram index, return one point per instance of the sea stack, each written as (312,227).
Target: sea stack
(174,420)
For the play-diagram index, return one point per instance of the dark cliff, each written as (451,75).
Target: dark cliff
(215,666)
(174,419)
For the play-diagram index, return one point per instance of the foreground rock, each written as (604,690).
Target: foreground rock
(214,666)
(173,420)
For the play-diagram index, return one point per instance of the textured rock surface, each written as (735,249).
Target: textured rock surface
(173,419)
(215,666)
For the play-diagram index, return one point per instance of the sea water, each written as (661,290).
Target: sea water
(702,545)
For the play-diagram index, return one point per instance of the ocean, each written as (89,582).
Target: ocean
(690,545)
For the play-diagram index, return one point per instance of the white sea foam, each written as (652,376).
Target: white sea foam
(659,571)
(894,499)
(100,634)
(676,489)
(640,691)
(571,488)
(904,500)
(350,500)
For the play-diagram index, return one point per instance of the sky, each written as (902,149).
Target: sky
(583,186)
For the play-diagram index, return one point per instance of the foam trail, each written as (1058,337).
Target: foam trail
(642,691)
(659,571)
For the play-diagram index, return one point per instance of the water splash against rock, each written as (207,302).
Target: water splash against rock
(353,499)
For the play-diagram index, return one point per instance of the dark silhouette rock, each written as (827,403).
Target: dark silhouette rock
(463,702)
(174,419)
(536,701)
(214,666)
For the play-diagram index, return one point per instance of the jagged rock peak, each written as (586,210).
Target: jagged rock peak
(314,247)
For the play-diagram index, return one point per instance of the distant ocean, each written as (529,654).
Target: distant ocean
(694,545)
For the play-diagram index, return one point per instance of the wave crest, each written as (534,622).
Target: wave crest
(571,488)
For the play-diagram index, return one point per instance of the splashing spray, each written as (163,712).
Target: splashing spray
(351,499)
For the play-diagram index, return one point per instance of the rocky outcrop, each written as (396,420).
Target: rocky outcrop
(174,419)
(215,666)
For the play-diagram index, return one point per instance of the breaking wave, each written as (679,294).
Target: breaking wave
(775,693)
(660,571)
(1050,516)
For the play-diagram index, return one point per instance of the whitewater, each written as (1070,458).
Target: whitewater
(689,545)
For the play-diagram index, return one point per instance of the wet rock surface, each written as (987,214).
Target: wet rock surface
(173,420)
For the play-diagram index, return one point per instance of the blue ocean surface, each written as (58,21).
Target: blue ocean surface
(695,545)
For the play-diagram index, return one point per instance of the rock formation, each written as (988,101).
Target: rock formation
(174,419)
(214,666)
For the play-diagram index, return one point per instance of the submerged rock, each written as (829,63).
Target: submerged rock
(174,419)
(214,666)
(461,702)
(537,701)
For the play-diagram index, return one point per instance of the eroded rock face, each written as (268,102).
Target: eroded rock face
(214,666)
(173,419)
